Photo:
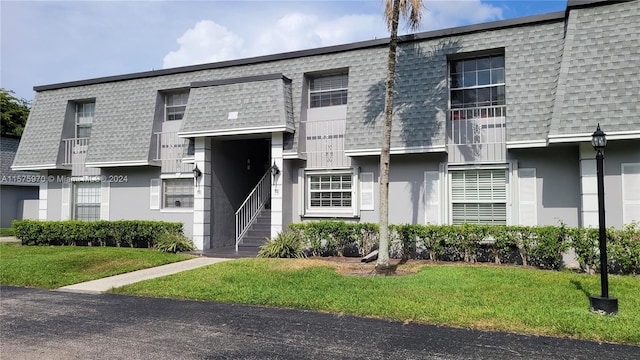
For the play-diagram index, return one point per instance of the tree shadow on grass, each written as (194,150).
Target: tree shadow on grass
(579,286)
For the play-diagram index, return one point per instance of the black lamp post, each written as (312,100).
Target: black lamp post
(602,303)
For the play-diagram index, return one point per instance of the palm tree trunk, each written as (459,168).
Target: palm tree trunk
(383,265)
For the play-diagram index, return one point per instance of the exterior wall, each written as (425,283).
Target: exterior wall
(406,186)
(130,199)
(54,194)
(617,153)
(15,203)
(16,187)
(557,183)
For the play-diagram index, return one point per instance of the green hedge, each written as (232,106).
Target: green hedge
(131,233)
(540,246)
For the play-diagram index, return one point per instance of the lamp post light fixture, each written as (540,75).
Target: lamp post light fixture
(602,303)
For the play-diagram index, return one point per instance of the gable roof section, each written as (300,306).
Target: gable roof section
(8,147)
(247,105)
(40,144)
(599,77)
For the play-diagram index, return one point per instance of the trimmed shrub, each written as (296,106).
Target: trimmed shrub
(172,242)
(286,245)
(132,233)
(540,246)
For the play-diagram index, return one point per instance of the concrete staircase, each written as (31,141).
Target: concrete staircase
(258,232)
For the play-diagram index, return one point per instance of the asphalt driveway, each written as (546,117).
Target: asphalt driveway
(44,324)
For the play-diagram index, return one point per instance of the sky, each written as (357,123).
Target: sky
(48,42)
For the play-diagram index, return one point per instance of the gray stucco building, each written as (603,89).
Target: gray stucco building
(492,125)
(18,189)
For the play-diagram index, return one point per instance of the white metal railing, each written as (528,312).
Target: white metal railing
(252,206)
(477,134)
(75,154)
(75,150)
(325,144)
(170,151)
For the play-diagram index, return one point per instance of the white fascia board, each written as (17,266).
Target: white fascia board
(523,144)
(120,163)
(237,131)
(293,156)
(35,167)
(611,135)
(398,150)
(188,175)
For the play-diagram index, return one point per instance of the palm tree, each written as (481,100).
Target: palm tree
(411,11)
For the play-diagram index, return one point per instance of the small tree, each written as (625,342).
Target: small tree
(411,10)
(14,113)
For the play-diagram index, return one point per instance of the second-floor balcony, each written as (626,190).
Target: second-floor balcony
(75,154)
(477,134)
(325,144)
(172,151)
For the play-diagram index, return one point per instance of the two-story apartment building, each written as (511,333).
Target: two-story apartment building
(492,125)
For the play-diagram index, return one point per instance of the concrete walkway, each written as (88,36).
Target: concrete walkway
(105,284)
(8,239)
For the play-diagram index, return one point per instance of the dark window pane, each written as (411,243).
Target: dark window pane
(456,98)
(500,96)
(484,77)
(497,61)
(484,97)
(470,78)
(457,66)
(483,63)
(469,97)
(469,65)
(456,80)
(497,76)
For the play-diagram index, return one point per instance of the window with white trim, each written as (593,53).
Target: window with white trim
(84,118)
(479,196)
(86,200)
(175,105)
(328,90)
(330,191)
(477,82)
(177,193)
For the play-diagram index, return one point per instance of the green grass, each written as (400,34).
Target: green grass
(55,266)
(6,231)
(486,297)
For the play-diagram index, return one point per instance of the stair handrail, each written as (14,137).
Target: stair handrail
(248,212)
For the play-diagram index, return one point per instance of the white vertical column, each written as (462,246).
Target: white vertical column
(42,196)
(202,195)
(276,184)
(588,186)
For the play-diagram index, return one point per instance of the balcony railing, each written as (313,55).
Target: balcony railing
(477,134)
(171,150)
(75,154)
(325,144)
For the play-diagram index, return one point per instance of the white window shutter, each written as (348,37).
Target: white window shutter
(301,192)
(104,200)
(527,195)
(630,193)
(367,199)
(65,213)
(154,194)
(432,197)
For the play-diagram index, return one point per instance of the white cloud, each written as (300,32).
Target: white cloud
(205,42)
(209,41)
(296,31)
(444,14)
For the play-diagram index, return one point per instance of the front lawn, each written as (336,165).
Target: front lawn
(477,296)
(55,266)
